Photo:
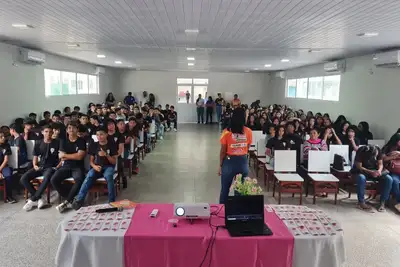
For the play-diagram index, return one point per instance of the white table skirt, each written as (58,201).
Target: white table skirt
(90,248)
(314,251)
(326,251)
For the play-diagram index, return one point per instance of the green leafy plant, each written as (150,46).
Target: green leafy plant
(246,186)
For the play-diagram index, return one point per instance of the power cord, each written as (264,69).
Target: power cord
(213,234)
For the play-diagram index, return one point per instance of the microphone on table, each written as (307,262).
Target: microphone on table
(109,210)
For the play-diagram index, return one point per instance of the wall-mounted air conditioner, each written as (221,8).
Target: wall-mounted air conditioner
(280,74)
(335,66)
(32,57)
(389,59)
(100,70)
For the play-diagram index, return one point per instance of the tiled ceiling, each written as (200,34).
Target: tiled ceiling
(234,35)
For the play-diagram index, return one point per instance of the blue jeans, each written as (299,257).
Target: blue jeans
(386,181)
(7,174)
(160,130)
(108,173)
(219,112)
(396,186)
(231,166)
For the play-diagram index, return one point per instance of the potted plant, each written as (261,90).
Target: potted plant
(245,186)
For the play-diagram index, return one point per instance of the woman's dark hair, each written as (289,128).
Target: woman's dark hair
(318,130)
(343,124)
(310,114)
(326,115)
(152,98)
(66,109)
(210,98)
(365,126)
(279,127)
(57,112)
(351,128)
(392,142)
(318,114)
(237,121)
(340,119)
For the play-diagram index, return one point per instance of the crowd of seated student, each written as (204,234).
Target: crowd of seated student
(62,141)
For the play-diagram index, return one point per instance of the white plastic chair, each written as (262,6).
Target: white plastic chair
(285,173)
(342,150)
(377,142)
(30,146)
(319,168)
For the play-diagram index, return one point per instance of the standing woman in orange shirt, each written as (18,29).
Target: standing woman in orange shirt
(236,101)
(235,143)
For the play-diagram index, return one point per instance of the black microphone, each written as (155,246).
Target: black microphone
(110,210)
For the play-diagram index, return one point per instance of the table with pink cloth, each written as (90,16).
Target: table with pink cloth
(151,242)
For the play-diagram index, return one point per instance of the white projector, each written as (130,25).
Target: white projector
(192,211)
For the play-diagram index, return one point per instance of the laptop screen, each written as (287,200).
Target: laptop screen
(244,208)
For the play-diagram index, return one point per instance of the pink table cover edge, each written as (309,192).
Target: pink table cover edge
(151,242)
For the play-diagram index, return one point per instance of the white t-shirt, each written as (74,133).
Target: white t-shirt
(200,102)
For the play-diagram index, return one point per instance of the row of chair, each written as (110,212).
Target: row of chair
(288,178)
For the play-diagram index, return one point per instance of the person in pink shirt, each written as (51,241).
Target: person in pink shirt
(314,143)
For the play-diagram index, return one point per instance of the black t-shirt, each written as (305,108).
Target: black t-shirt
(109,148)
(5,150)
(172,115)
(351,149)
(295,142)
(125,135)
(116,139)
(218,101)
(278,144)
(47,153)
(368,160)
(165,113)
(69,147)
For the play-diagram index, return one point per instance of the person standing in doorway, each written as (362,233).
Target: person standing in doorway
(235,142)
(219,103)
(187,97)
(200,109)
(210,110)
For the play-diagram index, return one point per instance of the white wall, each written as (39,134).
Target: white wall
(366,93)
(22,86)
(249,87)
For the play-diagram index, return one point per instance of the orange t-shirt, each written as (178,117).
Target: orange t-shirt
(236,102)
(237,144)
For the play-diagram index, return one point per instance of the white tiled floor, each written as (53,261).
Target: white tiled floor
(184,168)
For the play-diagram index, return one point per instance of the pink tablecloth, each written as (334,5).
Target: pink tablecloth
(153,242)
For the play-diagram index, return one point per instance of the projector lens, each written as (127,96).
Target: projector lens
(180,211)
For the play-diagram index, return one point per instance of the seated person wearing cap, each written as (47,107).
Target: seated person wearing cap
(45,161)
(103,157)
(72,153)
(18,141)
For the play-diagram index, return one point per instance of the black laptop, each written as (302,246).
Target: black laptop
(244,216)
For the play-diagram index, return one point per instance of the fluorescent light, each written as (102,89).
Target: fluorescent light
(190,49)
(130,66)
(190,58)
(192,31)
(101,56)
(256,69)
(20,26)
(267,65)
(246,71)
(118,62)
(190,64)
(73,45)
(285,60)
(368,34)
(314,50)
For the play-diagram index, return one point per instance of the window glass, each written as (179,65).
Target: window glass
(68,83)
(52,82)
(184,81)
(93,84)
(301,90)
(200,90)
(200,81)
(291,87)
(182,91)
(315,87)
(82,83)
(331,88)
